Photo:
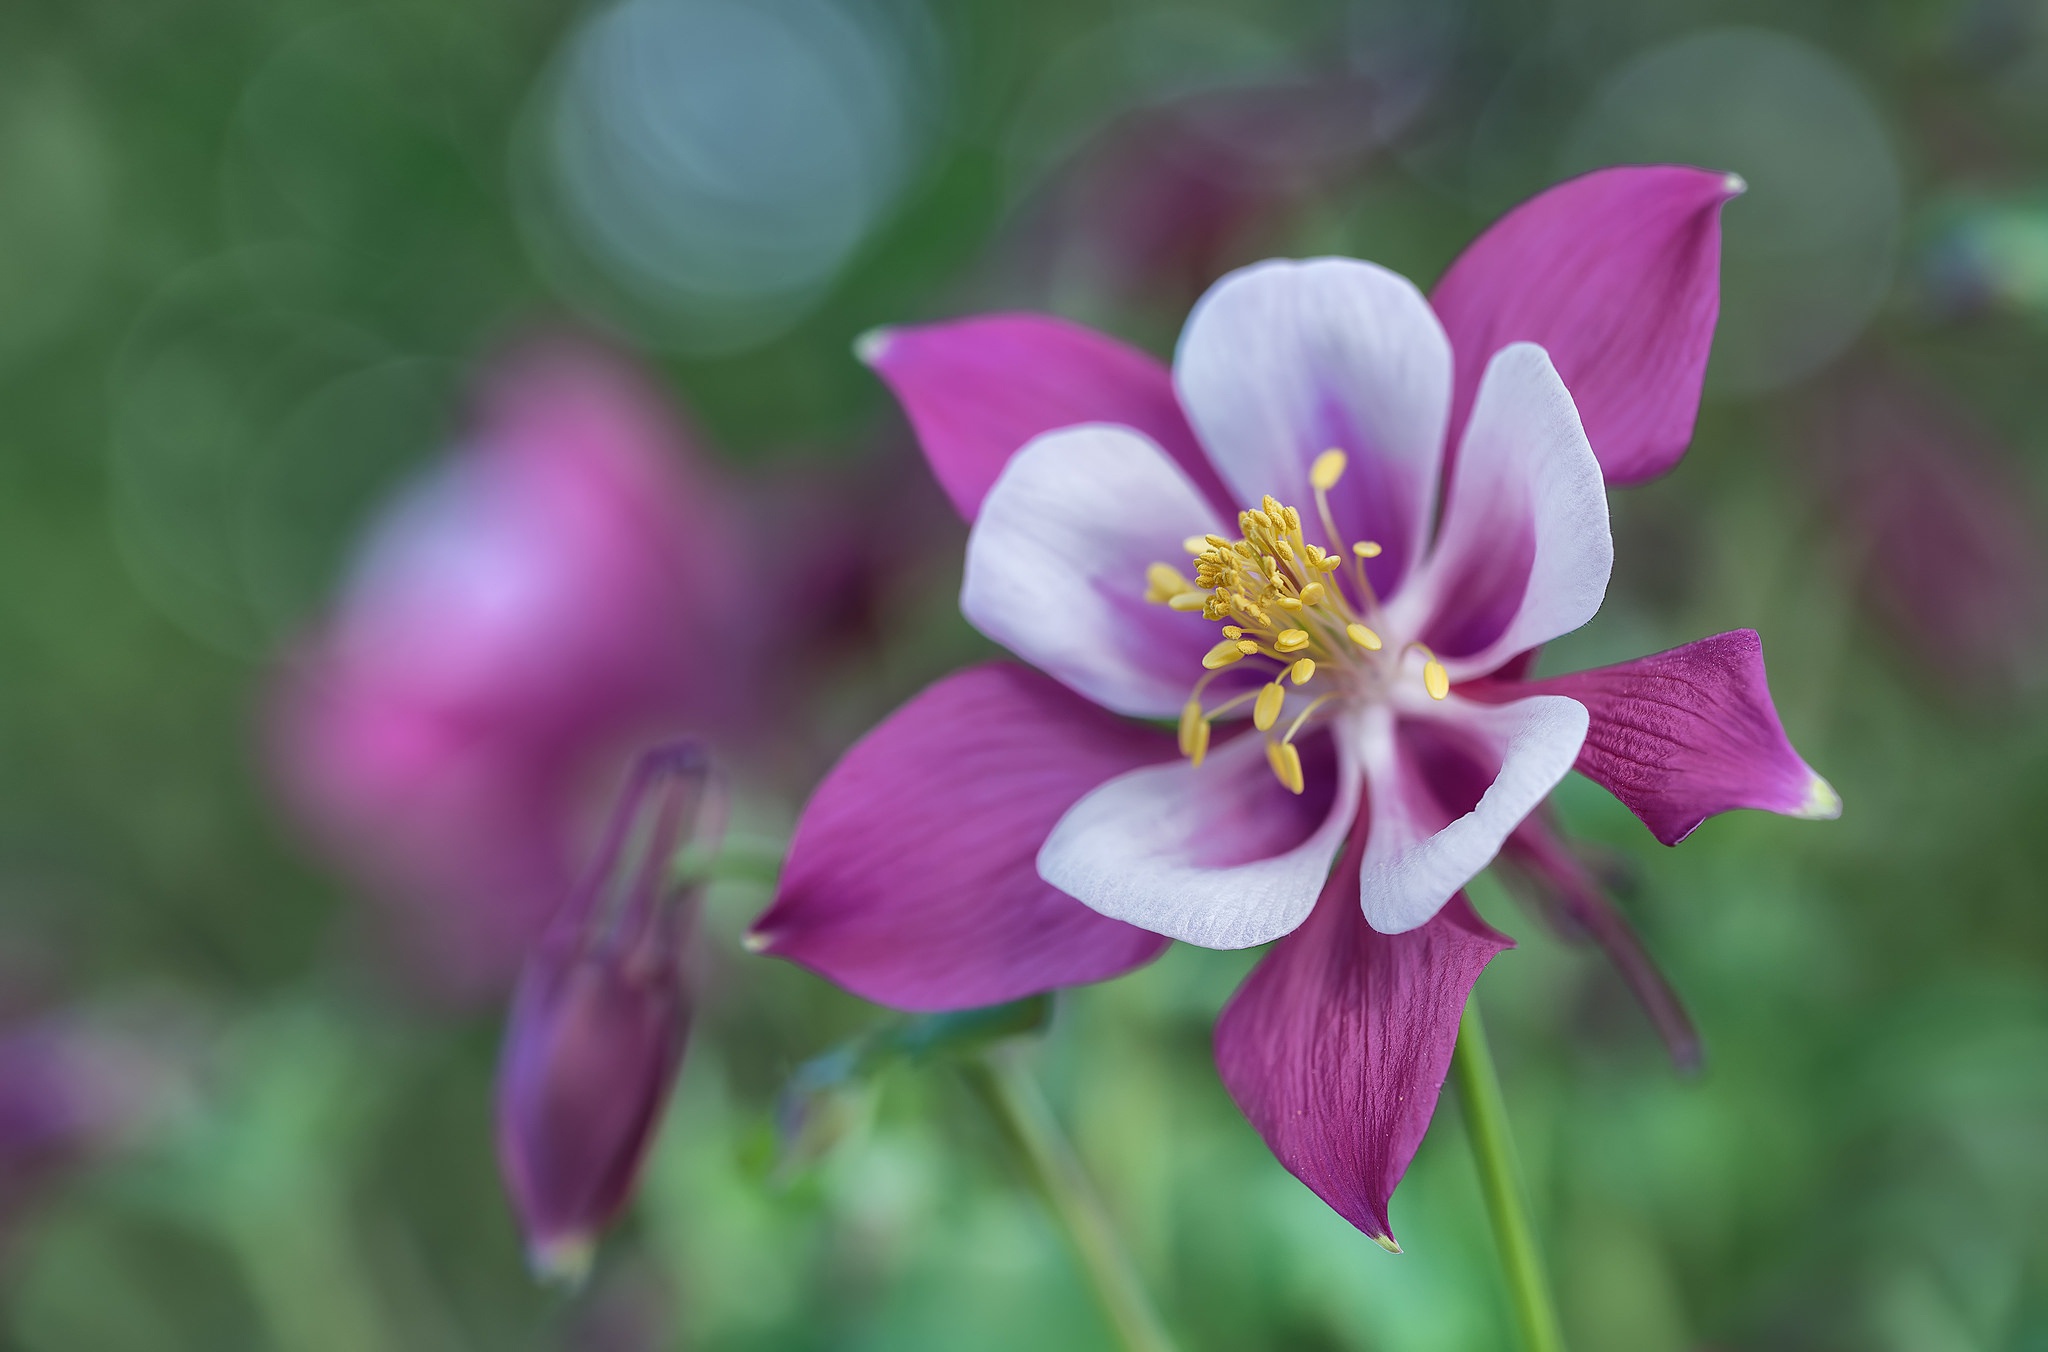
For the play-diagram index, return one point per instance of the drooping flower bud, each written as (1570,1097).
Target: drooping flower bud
(601,1015)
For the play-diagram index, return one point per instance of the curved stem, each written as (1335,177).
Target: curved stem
(1019,1108)
(1500,1177)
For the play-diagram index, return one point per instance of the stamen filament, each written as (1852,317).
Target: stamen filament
(1302,717)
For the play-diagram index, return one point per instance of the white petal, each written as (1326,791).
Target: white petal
(1415,861)
(1217,855)
(1525,550)
(1284,360)
(1056,567)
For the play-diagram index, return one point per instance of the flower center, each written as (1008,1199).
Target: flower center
(1284,600)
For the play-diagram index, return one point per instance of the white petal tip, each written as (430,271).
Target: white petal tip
(757,941)
(1386,1242)
(1822,802)
(563,1261)
(1735,185)
(873,345)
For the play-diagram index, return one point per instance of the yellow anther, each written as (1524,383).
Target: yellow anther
(1330,563)
(1224,653)
(1189,600)
(1312,594)
(1266,712)
(1247,647)
(1328,468)
(1289,603)
(1216,541)
(1367,549)
(1232,631)
(1163,582)
(1435,679)
(1194,732)
(1291,640)
(1285,759)
(1363,637)
(1196,544)
(1303,670)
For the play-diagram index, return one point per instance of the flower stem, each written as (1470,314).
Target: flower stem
(1500,1178)
(1019,1108)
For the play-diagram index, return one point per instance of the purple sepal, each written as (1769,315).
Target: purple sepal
(977,389)
(1681,735)
(1336,1047)
(1617,275)
(913,881)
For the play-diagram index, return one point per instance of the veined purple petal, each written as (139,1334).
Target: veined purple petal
(911,880)
(1617,274)
(1284,360)
(1524,551)
(1056,567)
(977,389)
(1216,854)
(1336,1047)
(1684,734)
(1447,784)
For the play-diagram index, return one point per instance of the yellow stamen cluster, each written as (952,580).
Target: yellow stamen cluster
(1280,597)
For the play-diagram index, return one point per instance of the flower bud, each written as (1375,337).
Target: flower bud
(601,1016)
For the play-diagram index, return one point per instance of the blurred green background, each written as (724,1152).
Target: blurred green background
(250,253)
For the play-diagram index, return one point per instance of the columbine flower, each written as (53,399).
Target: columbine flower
(1323,548)
(601,1018)
(521,613)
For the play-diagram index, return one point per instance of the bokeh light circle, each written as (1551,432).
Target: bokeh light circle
(1809,251)
(702,170)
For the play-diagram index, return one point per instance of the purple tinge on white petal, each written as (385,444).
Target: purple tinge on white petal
(1284,360)
(977,389)
(1057,559)
(1618,275)
(1682,735)
(1218,854)
(1524,551)
(1446,787)
(1336,1047)
(911,879)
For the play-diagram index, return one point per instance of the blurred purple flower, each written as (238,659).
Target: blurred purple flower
(70,1091)
(601,1016)
(563,585)
(1947,533)
(1171,194)
(1006,832)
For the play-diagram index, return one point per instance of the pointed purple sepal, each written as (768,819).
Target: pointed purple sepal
(1617,274)
(977,389)
(1336,1047)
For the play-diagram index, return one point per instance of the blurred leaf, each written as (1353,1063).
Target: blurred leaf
(830,1097)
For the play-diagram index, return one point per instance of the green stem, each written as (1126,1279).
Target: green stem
(1015,1101)
(1500,1177)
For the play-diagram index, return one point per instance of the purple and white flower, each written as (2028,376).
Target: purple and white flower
(1325,546)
